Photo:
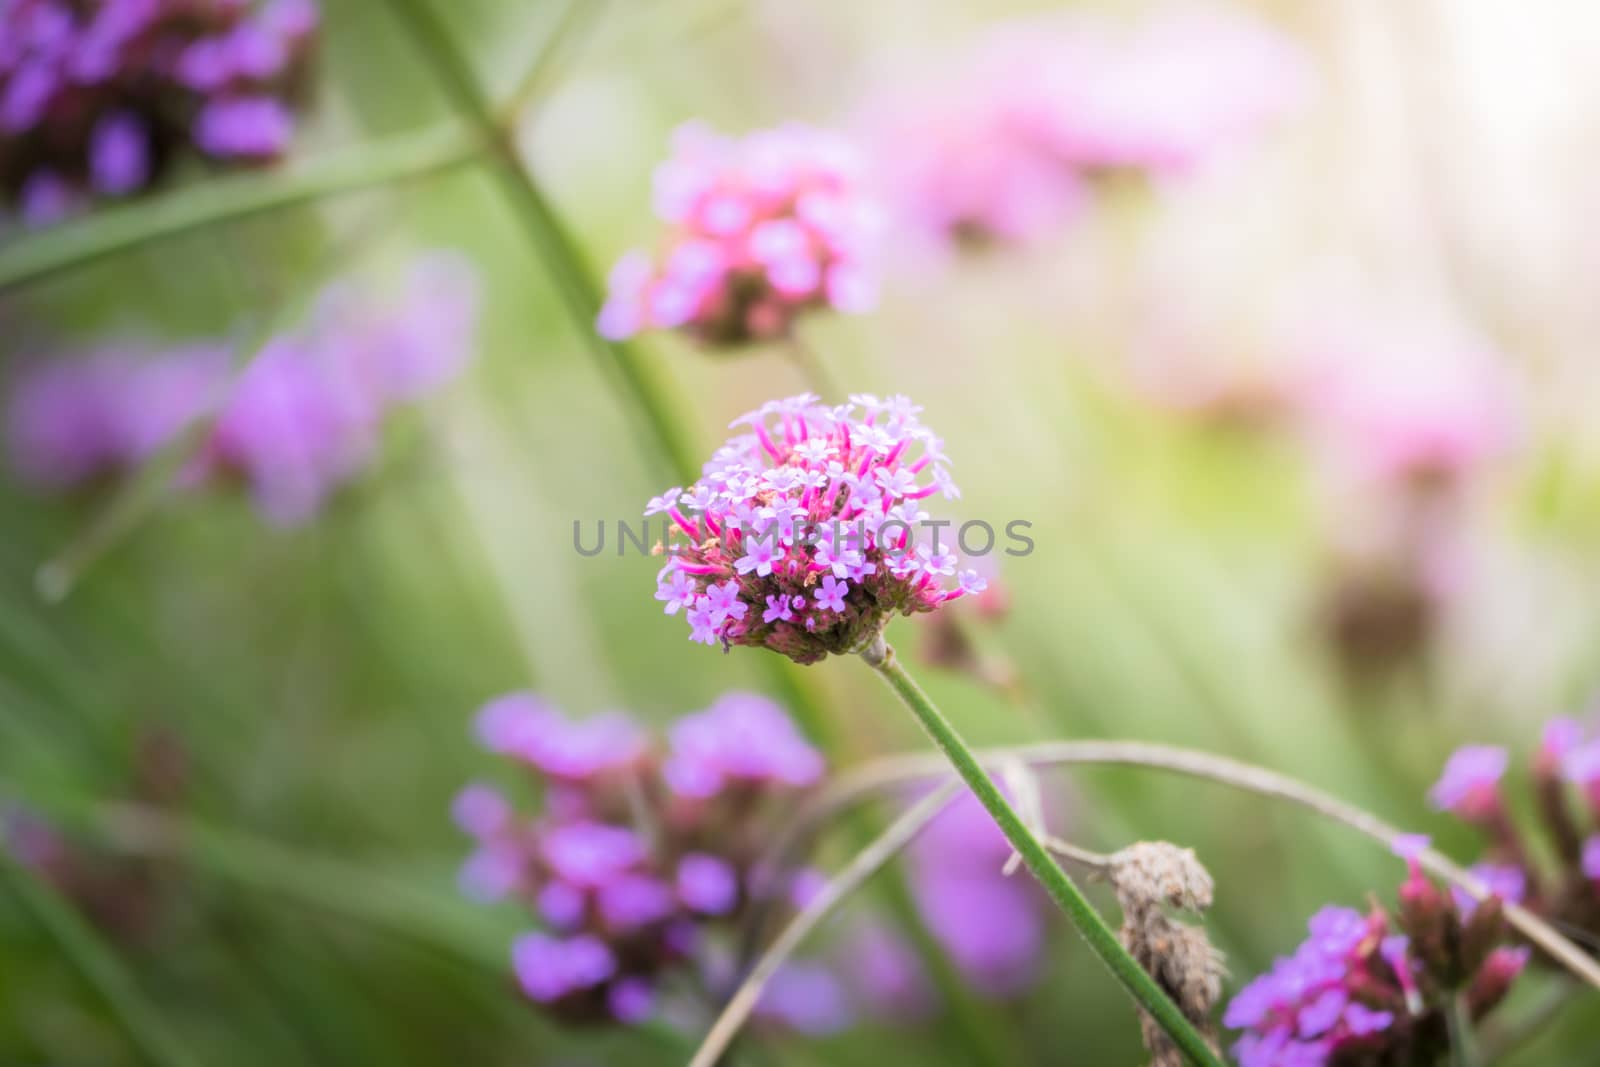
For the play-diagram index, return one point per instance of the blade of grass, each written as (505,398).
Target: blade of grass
(98,965)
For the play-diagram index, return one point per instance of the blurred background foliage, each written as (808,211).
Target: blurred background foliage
(312,688)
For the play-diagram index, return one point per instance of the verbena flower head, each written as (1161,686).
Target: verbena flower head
(763,228)
(73,420)
(636,852)
(302,419)
(1555,878)
(804,533)
(97,96)
(1371,988)
(1470,784)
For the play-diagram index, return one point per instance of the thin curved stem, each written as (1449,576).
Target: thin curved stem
(866,863)
(1139,984)
(870,779)
(98,965)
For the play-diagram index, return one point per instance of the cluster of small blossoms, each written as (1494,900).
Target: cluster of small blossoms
(999,148)
(763,228)
(803,534)
(302,419)
(635,853)
(1376,988)
(97,95)
(1566,889)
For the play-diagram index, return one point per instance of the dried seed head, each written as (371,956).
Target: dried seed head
(1149,878)
(1148,874)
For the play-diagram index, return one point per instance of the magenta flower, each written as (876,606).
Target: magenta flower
(99,95)
(301,421)
(743,738)
(801,536)
(1354,992)
(524,727)
(806,996)
(1470,783)
(624,891)
(1581,767)
(763,229)
(1506,881)
(1591,859)
(76,419)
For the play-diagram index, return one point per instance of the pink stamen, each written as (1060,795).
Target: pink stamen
(684,524)
(766,441)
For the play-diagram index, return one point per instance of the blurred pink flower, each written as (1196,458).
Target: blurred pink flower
(997,144)
(1407,403)
(764,227)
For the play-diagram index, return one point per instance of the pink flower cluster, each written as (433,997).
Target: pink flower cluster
(998,149)
(1566,890)
(98,94)
(804,533)
(634,853)
(763,228)
(1376,988)
(301,420)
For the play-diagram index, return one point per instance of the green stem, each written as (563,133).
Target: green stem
(1061,888)
(551,242)
(98,965)
(111,230)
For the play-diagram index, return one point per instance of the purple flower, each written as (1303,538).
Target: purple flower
(631,1001)
(1506,881)
(562,905)
(830,594)
(119,154)
(793,515)
(46,198)
(481,811)
(1581,766)
(886,974)
(632,901)
(1591,858)
(742,738)
(590,855)
(1470,784)
(707,884)
(551,968)
(85,86)
(493,871)
(760,556)
(247,127)
(524,727)
(806,996)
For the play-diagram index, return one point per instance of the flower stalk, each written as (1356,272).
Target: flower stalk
(880,657)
